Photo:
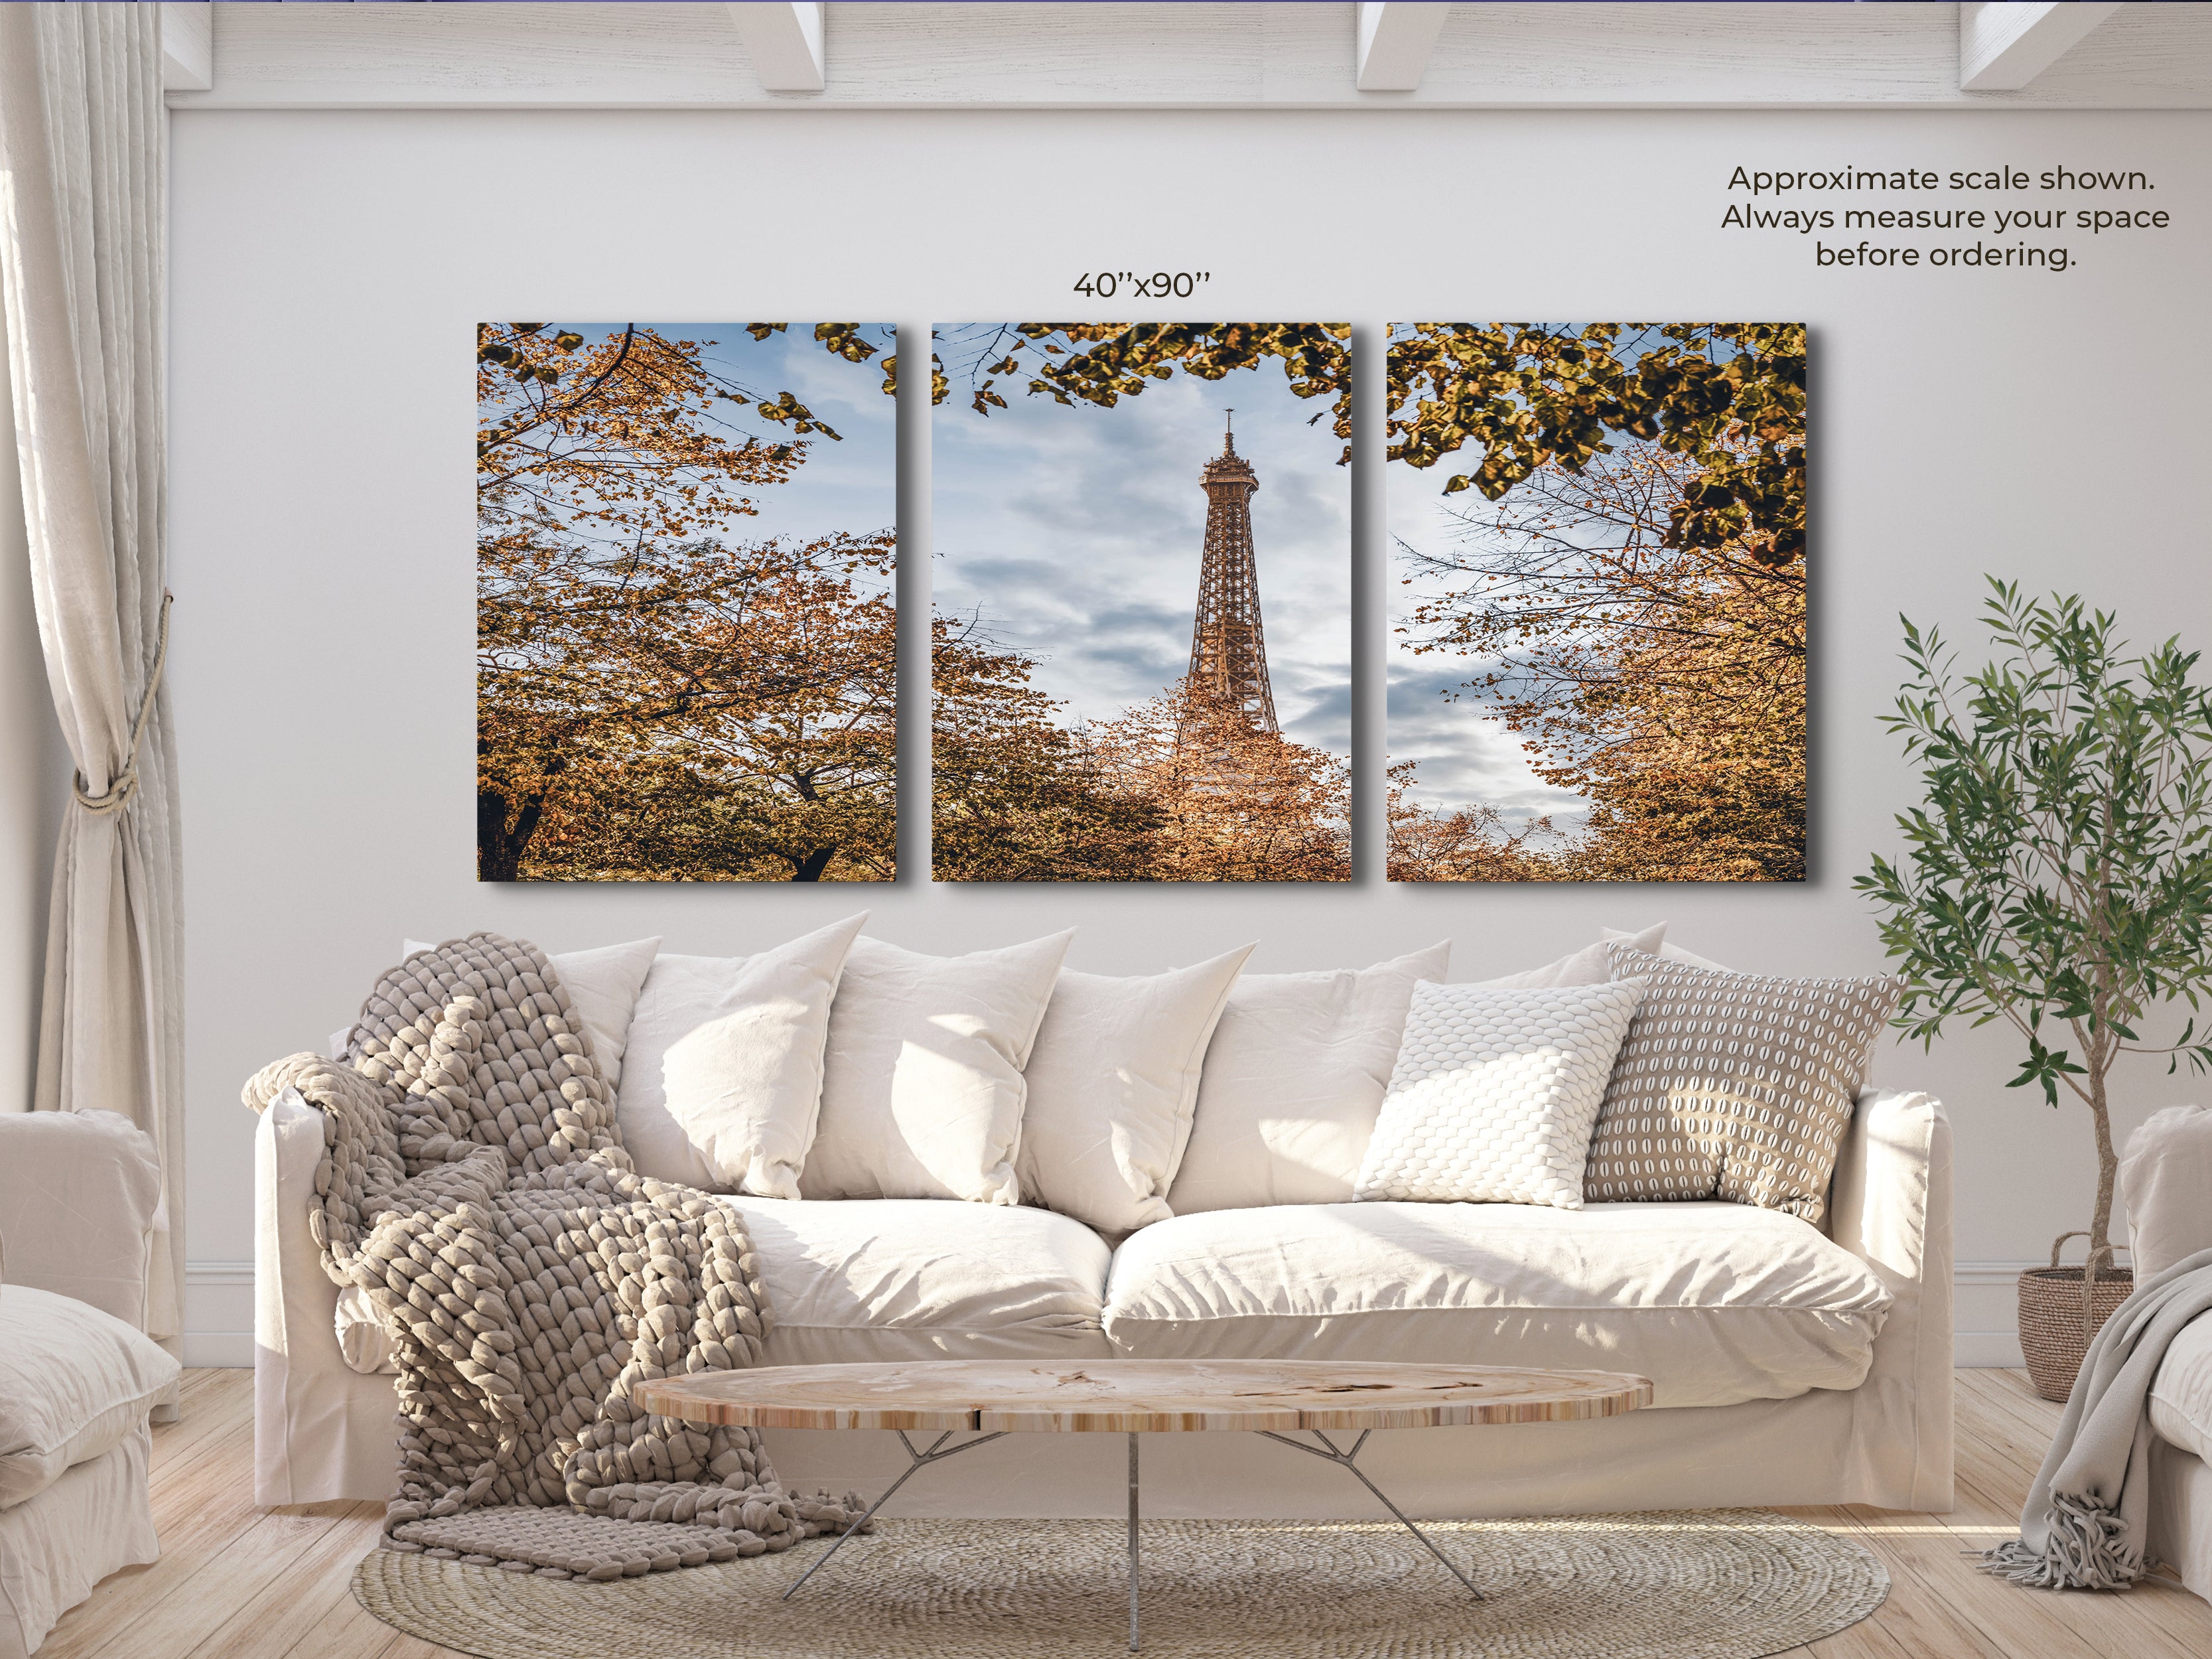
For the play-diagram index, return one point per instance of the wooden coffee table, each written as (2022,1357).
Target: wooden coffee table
(1272,1398)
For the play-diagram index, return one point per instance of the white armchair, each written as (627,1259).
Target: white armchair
(79,1193)
(2165,1176)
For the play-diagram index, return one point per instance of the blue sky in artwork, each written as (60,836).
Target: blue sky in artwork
(1465,756)
(1077,532)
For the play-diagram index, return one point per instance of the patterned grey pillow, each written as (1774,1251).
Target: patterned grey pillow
(1733,1085)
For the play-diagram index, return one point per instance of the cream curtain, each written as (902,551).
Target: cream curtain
(84,190)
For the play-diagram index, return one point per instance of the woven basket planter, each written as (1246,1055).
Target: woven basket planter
(2051,1333)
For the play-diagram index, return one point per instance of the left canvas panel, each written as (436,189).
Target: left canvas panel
(686,637)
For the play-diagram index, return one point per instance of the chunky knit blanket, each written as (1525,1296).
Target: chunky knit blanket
(474,1185)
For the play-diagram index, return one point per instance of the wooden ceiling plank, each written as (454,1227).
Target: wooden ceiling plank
(187,45)
(1396,39)
(785,39)
(2003,45)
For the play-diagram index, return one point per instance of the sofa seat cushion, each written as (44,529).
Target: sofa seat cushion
(75,1383)
(885,1280)
(1715,1303)
(2181,1392)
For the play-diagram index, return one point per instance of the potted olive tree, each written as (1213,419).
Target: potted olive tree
(2057,879)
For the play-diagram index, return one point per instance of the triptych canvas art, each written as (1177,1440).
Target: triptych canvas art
(1140,663)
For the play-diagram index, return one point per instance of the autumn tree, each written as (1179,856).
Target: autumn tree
(1017,795)
(1235,803)
(1727,397)
(1464,843)
(1637,594)
(739,707)
(655,700)
(1102,363)
(1663,683)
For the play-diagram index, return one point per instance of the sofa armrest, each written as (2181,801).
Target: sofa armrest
(80,1197)
(1890,1205)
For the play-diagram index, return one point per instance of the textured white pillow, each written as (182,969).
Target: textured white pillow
(1495,1094)
(922,1090)
(1112,1083)
(1293,1080)
(603,984)
(725,1072)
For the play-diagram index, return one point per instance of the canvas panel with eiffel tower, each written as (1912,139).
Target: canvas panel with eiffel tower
(1141,578)
(1598,665)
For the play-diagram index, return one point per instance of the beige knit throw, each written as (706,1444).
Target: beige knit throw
(474,1184)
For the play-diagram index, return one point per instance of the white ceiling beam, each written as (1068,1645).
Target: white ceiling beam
(785,39)
(187,45)
(1396,39)
(2003,45)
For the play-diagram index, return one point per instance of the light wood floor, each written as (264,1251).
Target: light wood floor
(238,1583)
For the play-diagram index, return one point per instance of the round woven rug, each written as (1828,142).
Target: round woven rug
(1692,1584)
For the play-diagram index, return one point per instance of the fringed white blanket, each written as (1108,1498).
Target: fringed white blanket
(2082,1527)
(474,1185)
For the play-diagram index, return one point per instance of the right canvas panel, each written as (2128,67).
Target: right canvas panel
(1598,662)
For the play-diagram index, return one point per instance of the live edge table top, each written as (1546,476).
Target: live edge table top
(1148,1396)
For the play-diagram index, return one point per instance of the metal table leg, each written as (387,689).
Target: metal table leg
(934,1454)
(1133,1542)
(1344,1460)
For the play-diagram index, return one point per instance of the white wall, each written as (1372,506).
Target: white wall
(328,268)
(34,772)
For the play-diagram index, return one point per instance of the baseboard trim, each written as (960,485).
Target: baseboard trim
(1973,1351)
(1990,1272)
(218,1350)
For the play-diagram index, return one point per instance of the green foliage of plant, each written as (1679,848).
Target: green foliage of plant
(2058,876)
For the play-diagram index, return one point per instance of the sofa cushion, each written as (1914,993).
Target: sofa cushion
(1112,1083)
(921,1083)
(74,1382)
(602,984)
(2181,1392)
(1592,965)
(1716,1303)
(1734,1085)
(2166,1170)
(893,1279)
(724,1079)
(1494,1094)
(1293,1082)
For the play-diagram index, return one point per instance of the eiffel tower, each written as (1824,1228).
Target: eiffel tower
(1228,647)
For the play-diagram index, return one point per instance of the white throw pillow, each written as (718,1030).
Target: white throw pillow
(724,1079)
(922,1089)
(1112,1084)
(1495,1094)
(74,1381)
(1588,966)
(603,984)
(1293,1080)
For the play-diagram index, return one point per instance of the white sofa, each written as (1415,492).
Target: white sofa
(79,1380)
(2166,1178)
(1793,1365)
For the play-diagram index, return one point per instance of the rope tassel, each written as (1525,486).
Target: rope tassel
(124,784)
(2087,1549)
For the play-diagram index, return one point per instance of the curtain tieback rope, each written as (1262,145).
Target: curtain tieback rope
(125,782)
